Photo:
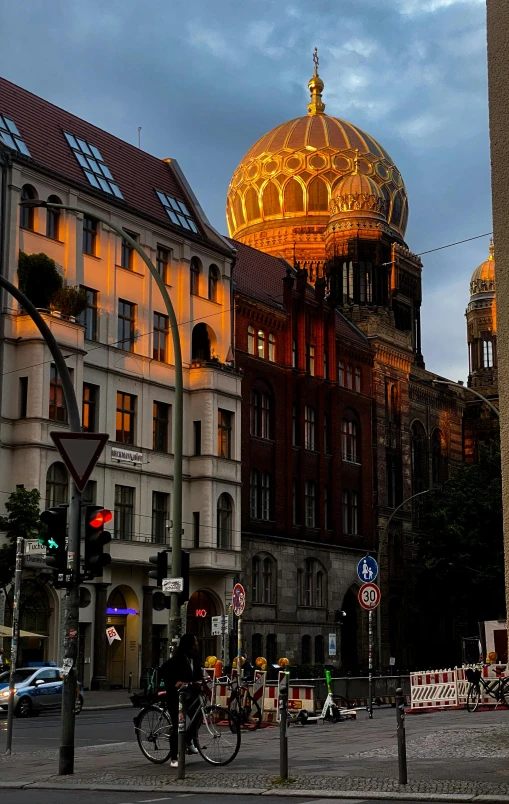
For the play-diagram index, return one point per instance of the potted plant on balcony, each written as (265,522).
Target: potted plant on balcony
(69,301)
(38,278)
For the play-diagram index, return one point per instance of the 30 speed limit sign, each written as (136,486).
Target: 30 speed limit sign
(369,596)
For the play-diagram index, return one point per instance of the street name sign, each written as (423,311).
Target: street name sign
(173,585)
(34,554)
(369,596)
(80,453)
(367,569)
(239,599)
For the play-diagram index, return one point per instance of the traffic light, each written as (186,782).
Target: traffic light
(55,541)
(161,562)
(95,539)
(184,569)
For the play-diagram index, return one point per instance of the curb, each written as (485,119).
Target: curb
(372,795)
(106,707)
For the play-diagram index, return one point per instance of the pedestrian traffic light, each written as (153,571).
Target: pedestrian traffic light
(161,562)
(95,539)
(184,569)
(55,540)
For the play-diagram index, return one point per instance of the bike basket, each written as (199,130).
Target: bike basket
(473,676)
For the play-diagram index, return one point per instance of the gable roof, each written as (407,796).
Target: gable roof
(138,174)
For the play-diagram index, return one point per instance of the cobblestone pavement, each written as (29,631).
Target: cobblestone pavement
(448,753)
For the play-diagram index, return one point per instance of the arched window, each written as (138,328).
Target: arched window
(261,343)
(419,454)
(57,485)
(250,340)
(487,353)
(27,214)
(257,646)
(439,464)
(319,589)
(306,649)
(319,649)
(318,197)
(213,282)
(254,493)
(293,196)
(341,373)
(265,501)
(269,572)
(53,219)
(358,380)
(272,347)
(271,202)
(195,276)
(256,585)
(224,522)
(349,441)
(311,584)
(200,343)
(252,205)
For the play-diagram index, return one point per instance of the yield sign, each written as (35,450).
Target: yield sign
(80,453)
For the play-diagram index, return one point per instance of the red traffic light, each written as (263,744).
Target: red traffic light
(101,518)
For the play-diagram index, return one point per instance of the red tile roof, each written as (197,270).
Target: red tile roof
(259,276)
(137,173)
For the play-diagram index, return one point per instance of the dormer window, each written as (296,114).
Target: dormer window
(94,166)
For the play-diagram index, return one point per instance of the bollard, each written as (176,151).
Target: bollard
(130,687)
(283,727)
(400,714)
(181,774)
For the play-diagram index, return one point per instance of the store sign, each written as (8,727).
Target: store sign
(201,613)
(127,455)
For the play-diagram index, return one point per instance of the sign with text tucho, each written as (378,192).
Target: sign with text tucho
(34,554)
(127,455)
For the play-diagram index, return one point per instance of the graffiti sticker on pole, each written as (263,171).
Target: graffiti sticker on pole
(369,596)
(238,599)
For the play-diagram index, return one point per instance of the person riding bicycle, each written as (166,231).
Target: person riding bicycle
(184,667)
(247,669)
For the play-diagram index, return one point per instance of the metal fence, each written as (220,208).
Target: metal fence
(357,687)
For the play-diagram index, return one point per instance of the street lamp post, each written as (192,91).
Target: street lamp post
(176,539)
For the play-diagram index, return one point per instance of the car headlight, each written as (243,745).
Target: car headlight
(5,693)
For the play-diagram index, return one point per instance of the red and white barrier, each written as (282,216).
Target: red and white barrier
(446,689)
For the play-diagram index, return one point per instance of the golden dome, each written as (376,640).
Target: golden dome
(357,194)
(288,178)
(483,278)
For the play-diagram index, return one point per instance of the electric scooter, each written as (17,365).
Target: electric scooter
(331,710)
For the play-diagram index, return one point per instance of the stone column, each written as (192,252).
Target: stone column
(146,630)
(100,641)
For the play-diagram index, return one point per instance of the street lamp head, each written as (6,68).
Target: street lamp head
(33,202)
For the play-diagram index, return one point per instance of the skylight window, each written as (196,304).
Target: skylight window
(10,135)
(93,165)
(177,212)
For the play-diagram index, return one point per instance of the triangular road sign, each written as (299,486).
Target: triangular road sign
(80,453)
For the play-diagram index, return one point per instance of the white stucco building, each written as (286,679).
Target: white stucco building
(121,358)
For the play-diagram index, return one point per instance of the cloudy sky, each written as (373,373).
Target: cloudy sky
(205,79)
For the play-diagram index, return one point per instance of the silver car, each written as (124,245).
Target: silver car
(36,689)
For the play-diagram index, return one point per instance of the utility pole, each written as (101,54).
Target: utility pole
(20,542)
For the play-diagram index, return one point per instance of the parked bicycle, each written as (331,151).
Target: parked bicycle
(242,707)
(497,688)
(217,733)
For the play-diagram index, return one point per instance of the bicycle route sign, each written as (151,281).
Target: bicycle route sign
(369,596)
(238,599)
(367,569)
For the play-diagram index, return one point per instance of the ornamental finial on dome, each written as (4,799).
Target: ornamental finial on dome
(316,88)
(492,249)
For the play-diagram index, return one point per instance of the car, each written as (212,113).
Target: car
(36,690)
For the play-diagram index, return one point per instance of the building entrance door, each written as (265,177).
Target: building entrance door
(200,610)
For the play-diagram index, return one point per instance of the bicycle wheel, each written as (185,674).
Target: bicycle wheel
(473,697)
(505,691)
(217,742)
(153,727)
(249,713)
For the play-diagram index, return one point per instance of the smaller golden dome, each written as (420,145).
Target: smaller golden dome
(483,278)
(357,194)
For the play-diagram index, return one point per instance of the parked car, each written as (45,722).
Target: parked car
(36,689)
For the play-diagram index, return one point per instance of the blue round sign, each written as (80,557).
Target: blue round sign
(367,569)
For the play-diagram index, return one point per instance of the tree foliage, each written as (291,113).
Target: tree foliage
(459,551)
(23,519)
(38,278)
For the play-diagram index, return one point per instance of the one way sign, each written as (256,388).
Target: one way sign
(80,453)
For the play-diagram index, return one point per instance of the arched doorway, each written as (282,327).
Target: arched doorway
(200,610)
(123,614)
(349,638)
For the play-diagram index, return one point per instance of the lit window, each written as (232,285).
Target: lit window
(224,433)
(177,212)
(89,414)
(93,165)
(251,340)
(10,135)
(487,350)
(125,418)
(272,348)
(261,343)
(310,359)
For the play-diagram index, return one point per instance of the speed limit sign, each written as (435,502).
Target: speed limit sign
(369,596)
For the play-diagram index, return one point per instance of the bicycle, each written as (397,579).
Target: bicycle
(497,688)
(242,706)
(217,742)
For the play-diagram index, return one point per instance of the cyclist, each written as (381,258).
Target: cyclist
(184,667)
(247,669)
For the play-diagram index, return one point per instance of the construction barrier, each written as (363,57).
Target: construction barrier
(300,696)
(447,689)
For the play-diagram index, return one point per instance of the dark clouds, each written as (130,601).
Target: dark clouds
(206,78)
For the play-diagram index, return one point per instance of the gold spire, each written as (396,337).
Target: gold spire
(316,88)
(492,249)
(356,162)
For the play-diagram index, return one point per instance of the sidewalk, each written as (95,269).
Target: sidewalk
(107,699)
(452,756)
